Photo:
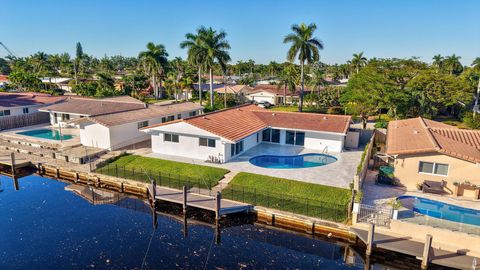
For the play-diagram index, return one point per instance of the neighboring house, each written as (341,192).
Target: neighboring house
(112,123)
(423,149)
(225,134)
(61,83)
(274,95)
(21,103)
(3,81)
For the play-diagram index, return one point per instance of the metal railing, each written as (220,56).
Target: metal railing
(328,210)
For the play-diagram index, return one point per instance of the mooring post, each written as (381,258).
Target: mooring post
(39,168)
(426,251)
(370,238)
(218,205)
(76,177)
(57,173)
(185,200)
(12,161)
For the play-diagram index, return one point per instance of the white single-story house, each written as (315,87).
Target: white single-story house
(225,134)
(274,95)
(22,103)
(113,123)
(61,83)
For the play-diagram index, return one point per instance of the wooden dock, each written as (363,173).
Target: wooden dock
(406,245)
(194,200)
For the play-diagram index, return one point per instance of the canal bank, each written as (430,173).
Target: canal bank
(271,217)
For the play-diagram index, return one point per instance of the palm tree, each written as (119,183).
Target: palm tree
(288,79)
(476,62)
(358,61)
(154,61)
(306,47)
(453,63)
(215,47)
(196,55)
(438,62)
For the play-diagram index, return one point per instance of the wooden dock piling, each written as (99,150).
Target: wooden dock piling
(12,162)
(426,252)
(370,238)
(184,200)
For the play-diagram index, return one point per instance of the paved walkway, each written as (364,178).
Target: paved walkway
(337,174)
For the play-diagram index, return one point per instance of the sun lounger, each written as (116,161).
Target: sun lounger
(435,187)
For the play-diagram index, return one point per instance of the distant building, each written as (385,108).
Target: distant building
(112,123)
(61,83)
(275,94)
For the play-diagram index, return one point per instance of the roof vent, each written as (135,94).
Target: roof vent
(273,114)
(415,131)
(325,118)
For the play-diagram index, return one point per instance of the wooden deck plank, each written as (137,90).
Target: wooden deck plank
(200,201)
(407,245)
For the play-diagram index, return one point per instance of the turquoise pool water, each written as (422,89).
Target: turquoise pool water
(441,210)
(292,162)
(45,133)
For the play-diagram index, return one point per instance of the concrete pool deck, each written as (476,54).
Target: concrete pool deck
(13,134)
(337,174)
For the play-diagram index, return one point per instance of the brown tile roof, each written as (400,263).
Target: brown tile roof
(143,114)
(27,99)
(92,107)
(233,89)
(237,123)
(418,135)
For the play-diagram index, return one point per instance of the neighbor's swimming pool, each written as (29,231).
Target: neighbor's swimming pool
(45,133)
(441,210)
(292,162)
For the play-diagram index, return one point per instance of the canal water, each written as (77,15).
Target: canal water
(45,226)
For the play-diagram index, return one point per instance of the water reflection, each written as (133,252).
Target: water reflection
(43,226)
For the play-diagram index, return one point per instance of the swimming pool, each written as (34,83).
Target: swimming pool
(292,162)
(45,133)
(441,210)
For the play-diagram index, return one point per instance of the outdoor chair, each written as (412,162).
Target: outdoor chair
(436,187)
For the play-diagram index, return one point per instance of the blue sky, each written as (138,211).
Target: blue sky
(381,28)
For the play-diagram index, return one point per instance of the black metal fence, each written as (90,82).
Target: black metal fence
(203,186)
(327,210)
(285,202)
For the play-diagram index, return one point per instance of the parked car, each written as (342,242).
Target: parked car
(264,104)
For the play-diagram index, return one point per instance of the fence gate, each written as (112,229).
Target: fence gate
(377,215)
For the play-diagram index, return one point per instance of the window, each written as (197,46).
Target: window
(433,168)
(25,110)
(142,124)
(5,113)
(266,135)
(179,116)
(206,142)
(164,119)
(65,117)
(168,137)
(236,148)
(295,138)
(271,135)
(171,118)
(258,137)
(192,113)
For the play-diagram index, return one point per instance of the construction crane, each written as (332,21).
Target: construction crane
(10,53)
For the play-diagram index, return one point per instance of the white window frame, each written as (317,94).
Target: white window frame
(142,124)
(433,168)
(208,142)
(25,110)
(171,137)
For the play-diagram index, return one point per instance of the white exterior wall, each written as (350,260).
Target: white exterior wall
(95,135)
(262,96)
(19,110)
(188,145)
(60,121)
(116,137)
(319,141)
(248,142)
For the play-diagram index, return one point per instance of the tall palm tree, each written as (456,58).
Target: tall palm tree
(306,46)
(154,61)
(453,63)
(196,55)
(438,62)
(476,62)
(216,52)
(358,61)
(288,79)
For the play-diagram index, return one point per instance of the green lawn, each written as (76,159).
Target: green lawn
(321,201)
(165,172)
